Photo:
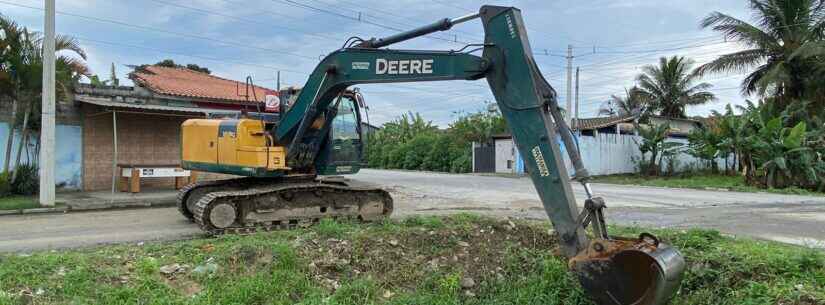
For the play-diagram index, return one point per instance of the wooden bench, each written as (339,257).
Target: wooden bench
(131,174)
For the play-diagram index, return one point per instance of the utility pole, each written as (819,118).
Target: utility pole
(47,112)
(576,120)
(568,111)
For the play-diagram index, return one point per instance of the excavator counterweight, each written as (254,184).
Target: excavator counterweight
(612,270)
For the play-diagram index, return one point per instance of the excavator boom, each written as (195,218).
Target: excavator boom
(612,270)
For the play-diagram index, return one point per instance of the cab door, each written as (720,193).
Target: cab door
(342,154)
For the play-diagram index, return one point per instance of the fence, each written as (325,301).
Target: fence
(607,154)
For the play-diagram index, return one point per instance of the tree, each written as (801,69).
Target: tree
(632,103)
(732,133)
(704,143)
(654,141)
(669,87)
(171,64)
(479,126)
(785,49)
(22,62)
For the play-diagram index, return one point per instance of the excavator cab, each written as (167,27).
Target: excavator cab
(341,154)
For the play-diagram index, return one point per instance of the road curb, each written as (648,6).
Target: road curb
(88,208)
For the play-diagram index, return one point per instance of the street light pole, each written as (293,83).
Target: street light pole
(48,111)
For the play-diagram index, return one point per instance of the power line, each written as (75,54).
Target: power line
(458,7)
(166,51)
(654,42)
(389,13)
(247,20)
(329,12)
(363,14)
(146,28)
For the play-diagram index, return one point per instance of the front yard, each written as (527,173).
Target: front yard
(18,202)
(462,259)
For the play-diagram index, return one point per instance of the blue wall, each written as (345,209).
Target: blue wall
(69,159)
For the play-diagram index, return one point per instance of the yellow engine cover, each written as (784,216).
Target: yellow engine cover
(229,146)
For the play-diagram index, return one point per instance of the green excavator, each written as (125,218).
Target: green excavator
(285,158)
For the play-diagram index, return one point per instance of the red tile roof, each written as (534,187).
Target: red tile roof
(187,83)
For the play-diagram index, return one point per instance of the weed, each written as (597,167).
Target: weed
(417,261)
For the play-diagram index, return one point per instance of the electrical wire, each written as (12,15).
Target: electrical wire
(152,29)
(333,13)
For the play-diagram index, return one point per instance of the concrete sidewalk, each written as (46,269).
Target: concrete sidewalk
(107,200)
(102,200)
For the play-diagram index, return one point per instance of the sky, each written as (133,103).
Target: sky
(612,40)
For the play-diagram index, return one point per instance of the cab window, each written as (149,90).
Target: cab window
(345,124)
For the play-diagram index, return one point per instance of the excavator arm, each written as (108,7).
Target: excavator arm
(612,270)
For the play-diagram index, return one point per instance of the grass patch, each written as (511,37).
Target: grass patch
(17,202)
(421,260)
(700,181)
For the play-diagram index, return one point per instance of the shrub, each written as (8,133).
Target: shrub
(26,181)
(5,185)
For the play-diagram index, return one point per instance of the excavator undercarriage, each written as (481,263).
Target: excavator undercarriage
(245,205)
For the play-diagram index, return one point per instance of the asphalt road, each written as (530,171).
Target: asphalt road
(786,218)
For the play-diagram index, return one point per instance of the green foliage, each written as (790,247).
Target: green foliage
(5,184)
(26,181)
(669,87)
(785,50)
(410,142)
(705,144)
(654,143)
(171,64)
(773,145)
(295,267)
(634,102)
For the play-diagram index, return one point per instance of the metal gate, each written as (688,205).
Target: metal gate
(485,159)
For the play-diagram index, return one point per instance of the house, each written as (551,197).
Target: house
(368,129)
(100,127)
(679,127)
(502,157)
(608,145)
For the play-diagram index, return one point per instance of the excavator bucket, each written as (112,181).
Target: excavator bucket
(625,272)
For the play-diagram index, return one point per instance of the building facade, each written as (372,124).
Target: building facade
(103,127)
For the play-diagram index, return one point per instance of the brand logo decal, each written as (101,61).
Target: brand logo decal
(403,67)
(543,171)
(510,26)
(360,65)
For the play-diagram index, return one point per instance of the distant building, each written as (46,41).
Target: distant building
(606,145)
(679,128)
(368,129)
(142,121)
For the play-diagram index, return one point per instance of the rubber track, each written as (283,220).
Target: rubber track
(205,204)
(184,192)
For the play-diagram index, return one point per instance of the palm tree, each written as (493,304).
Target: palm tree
(633,103)
(21,70)
(784,48)
(669,87)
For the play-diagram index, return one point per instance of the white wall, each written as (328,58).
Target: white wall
(607,154)
(68,159)
(604,154)
(505,152)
